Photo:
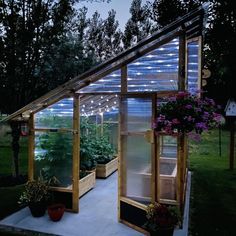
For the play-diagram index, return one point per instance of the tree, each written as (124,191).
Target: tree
(94,36)
(28,29)
(220,50)
(69,51)
(138,26)
(111,35)
(103,36)
(163,12)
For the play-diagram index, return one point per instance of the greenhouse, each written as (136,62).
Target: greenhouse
(118,100)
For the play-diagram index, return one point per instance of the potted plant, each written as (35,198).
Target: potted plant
(36,195)
(186,113)
(161,219)
(56,211)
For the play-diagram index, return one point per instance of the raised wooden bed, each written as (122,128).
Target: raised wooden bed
(87,183)
(104,170)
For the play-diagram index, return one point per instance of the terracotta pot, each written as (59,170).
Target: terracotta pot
(37,209)
(56,211)
(162,232)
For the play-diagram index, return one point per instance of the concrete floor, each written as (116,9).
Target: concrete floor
(98,216)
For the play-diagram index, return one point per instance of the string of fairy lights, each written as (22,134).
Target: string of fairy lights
(155,71)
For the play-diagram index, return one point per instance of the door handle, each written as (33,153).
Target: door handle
(149,136)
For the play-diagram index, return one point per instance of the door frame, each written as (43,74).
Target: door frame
(150,136)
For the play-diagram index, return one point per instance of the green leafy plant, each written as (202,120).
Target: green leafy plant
(94,145)
(160,216)
(87,154)
(54,157)
(104,151)
(35,191)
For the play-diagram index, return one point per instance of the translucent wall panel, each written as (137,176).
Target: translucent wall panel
(193,67)
(138,113)
(138,168)
(157,70)
(58,115)
(109,83)
(136,118)
(53,157)
(168,167)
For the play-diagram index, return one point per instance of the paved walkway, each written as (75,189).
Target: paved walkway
(97,217)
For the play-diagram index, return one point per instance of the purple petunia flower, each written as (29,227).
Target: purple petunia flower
(188,106)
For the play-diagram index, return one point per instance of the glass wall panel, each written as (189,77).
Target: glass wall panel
(138,168)
(111,121)
(157,70)
(168,167)
(110,83)
(193,67)
(53,157)
(137,113)
(58,115)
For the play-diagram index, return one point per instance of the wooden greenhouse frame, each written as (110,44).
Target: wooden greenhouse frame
(186,36)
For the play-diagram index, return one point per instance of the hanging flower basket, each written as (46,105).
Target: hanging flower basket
(186,113)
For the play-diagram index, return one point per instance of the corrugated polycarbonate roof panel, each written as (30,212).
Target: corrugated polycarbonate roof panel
(110,83)
(155,71)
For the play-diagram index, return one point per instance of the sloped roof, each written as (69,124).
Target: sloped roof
(191,25)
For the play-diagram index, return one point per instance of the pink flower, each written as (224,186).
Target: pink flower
(175,121)
(188,106)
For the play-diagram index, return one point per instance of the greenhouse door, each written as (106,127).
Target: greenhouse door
(137,157)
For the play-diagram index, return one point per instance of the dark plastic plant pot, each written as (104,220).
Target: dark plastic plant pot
(37,209)
(56,211)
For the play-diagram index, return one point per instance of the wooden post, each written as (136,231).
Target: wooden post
(231,155)
(159,141)
(124,82)
(31,148)
(76,154)
(122,141)
(180,166)
(154,154)
(182,59)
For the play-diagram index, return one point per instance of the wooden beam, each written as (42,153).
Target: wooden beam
(76,154)
(124,81)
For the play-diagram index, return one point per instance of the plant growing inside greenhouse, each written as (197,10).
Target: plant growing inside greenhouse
(104,152)
(96,148)
(54,157)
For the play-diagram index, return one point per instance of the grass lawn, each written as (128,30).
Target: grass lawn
(6,160)
(213,194)
(9,196)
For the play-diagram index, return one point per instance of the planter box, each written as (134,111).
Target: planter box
(87,183)
(104,170)
(167,178)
